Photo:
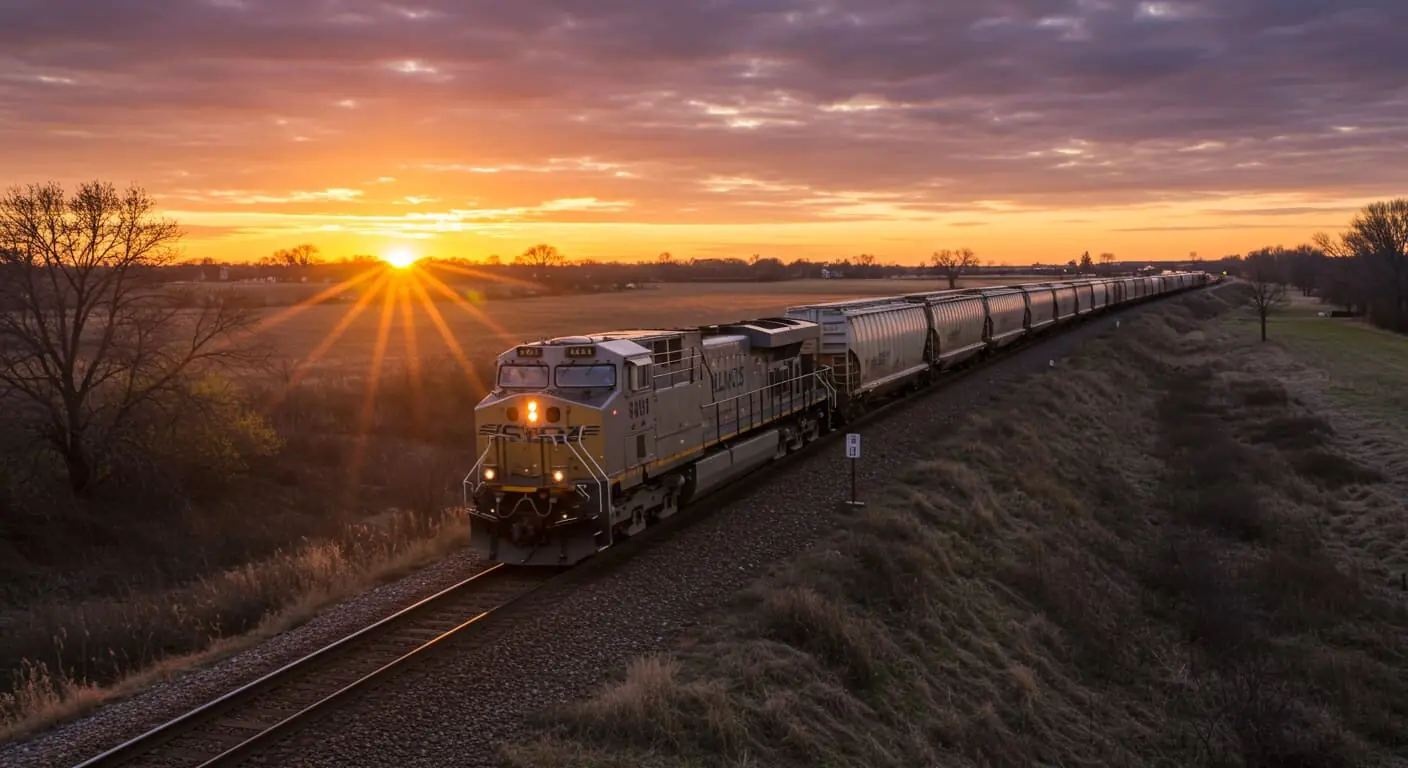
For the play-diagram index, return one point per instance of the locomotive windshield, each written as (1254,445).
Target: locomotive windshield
(586,376)
(517,376)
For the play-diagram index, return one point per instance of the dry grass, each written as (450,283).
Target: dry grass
(100,650)
(1017,598)
(98,603)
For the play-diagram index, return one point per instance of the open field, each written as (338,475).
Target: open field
(494,325)
(1355,377)
(1364,367)
(1175,550)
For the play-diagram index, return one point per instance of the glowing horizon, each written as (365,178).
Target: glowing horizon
(400,258)
(789,129)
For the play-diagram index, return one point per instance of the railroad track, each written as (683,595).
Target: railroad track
(232,727)
(248,719)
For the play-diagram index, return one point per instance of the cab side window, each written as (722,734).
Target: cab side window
(639,373)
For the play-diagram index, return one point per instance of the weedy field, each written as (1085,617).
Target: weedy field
(356,482)
(1183,548)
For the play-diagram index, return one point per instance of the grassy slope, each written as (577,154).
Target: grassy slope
(1130,563)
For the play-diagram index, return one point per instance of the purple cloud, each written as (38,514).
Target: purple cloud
(922,106)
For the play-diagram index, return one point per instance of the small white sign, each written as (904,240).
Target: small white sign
(852,445)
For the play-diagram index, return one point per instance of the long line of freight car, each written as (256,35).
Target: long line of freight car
(589,439)
(875,346)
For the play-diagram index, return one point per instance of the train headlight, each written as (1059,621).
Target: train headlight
(488,473)
(532,411)
(557,475)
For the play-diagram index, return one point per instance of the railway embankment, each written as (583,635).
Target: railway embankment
(1180,547)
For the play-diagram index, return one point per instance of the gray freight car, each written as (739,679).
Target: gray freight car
(872,347)
(1007,315)
(1042,305)
(957,326)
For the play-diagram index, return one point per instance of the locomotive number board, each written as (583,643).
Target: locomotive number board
(580,352)
(530,351)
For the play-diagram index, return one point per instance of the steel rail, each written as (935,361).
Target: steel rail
(308,669)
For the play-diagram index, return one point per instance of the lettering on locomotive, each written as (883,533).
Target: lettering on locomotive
(731,378)
(515,433)
(640,408)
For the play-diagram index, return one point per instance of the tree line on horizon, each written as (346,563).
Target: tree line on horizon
(545,261)
(1363,269)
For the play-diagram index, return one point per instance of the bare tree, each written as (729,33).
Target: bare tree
(304,255)
(1305,268)
(1107,261)
(92,344)
(1265,273)
(1378,239)
(540,256)
(954,263)
(1342,280)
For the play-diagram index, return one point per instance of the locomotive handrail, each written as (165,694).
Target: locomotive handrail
(755,415)
(659,360)
(599,475)
(474,472)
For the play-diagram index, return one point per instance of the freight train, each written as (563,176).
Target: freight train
(588,440)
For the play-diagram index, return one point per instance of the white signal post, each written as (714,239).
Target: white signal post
(853,454)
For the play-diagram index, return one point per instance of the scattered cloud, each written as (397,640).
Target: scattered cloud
(701,112)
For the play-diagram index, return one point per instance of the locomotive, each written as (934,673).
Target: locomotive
(588,440)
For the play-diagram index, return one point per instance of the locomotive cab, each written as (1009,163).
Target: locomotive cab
(567,421)
(542,456)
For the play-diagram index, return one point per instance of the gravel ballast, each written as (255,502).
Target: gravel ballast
(456,707)
(79,740)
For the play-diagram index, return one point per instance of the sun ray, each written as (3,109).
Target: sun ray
(287,313)
(408,332)
(470,309)
(290,312)
(471,272)
(364,418)
(307,364)
(449,337)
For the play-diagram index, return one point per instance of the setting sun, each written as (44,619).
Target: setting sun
(400,258)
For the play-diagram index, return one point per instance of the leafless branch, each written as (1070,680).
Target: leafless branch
(88,336)
(954,263)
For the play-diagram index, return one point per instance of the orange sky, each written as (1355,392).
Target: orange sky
(788,128)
